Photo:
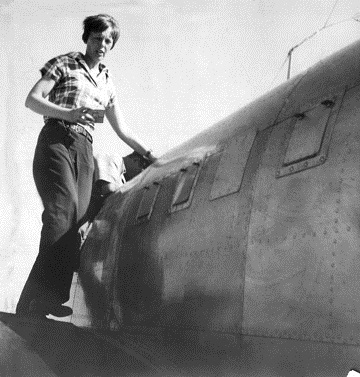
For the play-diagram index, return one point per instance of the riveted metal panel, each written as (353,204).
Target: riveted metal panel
(185,187)
(232,165)
(309,136)
(302,259)
(147,202)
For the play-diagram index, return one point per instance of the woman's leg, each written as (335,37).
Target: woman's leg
(63,169)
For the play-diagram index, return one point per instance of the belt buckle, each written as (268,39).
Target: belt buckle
(76,128)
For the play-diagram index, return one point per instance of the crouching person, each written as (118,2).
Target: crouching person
(108,177)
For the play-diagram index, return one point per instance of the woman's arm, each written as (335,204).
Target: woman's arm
(117,122)
(37,102)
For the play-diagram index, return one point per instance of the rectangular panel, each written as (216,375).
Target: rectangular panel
(148,201)
(185,187)
(310,138)
(307,134)
(232,165)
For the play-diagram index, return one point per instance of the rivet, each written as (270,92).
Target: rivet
(322,159)
(305,164)
(291,168)
(348,228)
(328,103)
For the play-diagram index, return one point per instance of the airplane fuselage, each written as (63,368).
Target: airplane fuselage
(240,248)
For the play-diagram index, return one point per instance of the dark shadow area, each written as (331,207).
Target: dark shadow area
(139,289)
(72,351)
(134,164)
(144,351)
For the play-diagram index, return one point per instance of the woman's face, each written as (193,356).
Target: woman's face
(98,45)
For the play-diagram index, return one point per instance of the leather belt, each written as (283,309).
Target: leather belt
(74,127)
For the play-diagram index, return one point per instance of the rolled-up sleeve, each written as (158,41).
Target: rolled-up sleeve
(53,69)
(111,92)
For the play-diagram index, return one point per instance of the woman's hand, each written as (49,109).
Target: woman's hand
(151,156)
(80,115)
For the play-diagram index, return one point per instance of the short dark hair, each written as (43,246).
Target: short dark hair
(100,23)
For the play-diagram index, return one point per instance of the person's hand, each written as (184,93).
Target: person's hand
(151,156)
(80,115)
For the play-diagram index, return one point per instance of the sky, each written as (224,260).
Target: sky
(179,67)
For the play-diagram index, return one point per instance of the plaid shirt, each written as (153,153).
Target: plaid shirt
(75,86)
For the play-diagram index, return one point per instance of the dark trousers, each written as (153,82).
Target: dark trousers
(63,171)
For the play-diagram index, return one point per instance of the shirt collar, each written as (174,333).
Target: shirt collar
(79,56)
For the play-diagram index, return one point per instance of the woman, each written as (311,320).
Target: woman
(71,87)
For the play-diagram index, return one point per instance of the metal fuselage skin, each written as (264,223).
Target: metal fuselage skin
(238,253)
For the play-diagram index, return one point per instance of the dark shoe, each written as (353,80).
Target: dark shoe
(43,308)
(60,310)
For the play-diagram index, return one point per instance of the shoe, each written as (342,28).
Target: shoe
(41,308)
(60,310)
